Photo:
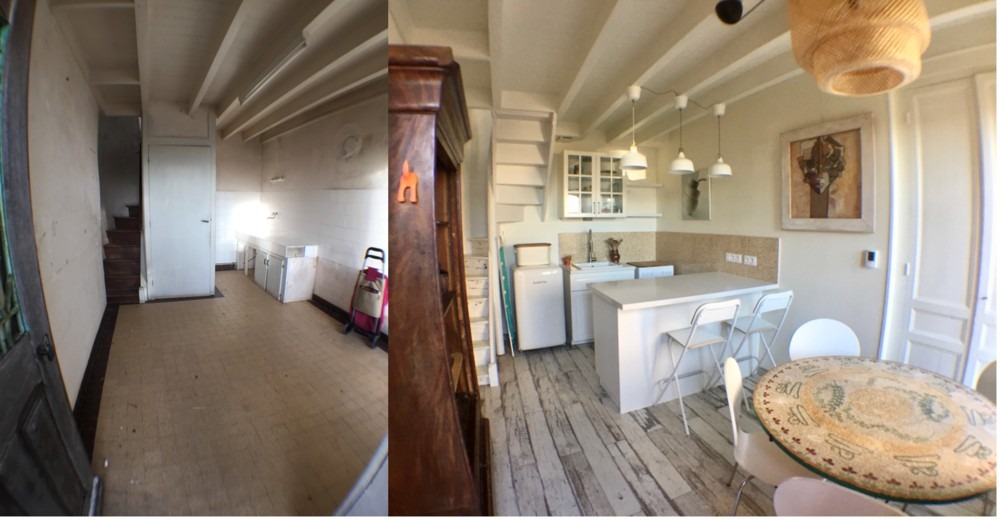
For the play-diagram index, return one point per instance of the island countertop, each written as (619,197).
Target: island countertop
(671,290)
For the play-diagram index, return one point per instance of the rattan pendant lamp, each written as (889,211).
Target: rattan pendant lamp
(859,47)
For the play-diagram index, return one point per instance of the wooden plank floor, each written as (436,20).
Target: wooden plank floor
(561,448)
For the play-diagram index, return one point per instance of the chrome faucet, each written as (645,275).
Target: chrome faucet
(590,246)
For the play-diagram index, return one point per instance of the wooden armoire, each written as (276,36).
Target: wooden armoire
(438,439)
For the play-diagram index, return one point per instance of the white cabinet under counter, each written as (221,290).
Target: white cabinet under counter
(285,267)
(631,318)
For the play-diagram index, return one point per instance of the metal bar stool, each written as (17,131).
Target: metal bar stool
(757,323)
(695,337)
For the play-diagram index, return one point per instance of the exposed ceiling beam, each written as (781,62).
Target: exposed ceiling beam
(330,12)
(113,77)
(142,49)
(338,104)
(229,104)
(236,16)
(590,63)
(373,71)
(347,50)
(666,50)
(495,24)
(91,4)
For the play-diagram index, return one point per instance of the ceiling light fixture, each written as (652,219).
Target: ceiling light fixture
(280,62)
(858,48)
(633,162)
(720,168)
(681,165)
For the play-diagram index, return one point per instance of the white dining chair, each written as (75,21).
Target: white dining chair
(754,452)
(773,305)
(697,336)
(986,383)
(823,337)
(799,496)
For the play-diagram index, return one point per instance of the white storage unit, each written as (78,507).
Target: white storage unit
(577,298)
(287,272)
(538,290)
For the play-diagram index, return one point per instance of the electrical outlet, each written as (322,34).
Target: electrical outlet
(734,258)
(750,260)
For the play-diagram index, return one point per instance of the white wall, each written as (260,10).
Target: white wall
(475,174)
(237,193)
(338,203)
(65,197)
(824,269)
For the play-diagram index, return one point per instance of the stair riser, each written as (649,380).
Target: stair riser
(131,223)
(121,252)
(131,297)
(130,267)
(129,237)
(122,284)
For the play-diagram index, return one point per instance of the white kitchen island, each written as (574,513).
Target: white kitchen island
(631,318)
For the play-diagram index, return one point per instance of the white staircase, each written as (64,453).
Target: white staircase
(522,153)
(477,284)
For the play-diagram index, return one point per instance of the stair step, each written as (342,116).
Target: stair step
(135,211)
(521,175)
(121,266)
(479,246)
(519,195)
(134,223)
(126,237)
(123,297)
(121,282)
(520,153)
(117,251)
(520,130)
(509,213)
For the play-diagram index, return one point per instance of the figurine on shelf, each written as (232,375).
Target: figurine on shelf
(614,256)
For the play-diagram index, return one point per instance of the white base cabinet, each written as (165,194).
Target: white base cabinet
(288,277)
(578,298)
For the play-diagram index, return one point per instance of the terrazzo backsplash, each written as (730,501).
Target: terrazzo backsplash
(688,252)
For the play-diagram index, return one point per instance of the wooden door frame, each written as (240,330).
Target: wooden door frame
(20,222)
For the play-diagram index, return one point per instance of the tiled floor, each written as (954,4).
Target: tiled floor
(236,405)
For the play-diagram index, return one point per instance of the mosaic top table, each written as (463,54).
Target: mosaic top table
(889,430)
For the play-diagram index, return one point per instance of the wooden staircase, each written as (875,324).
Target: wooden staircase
(522,154)
(121,258)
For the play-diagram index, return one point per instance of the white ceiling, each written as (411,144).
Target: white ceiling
(576,57)
(206,53)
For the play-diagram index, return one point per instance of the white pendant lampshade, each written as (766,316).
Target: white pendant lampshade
(858,48)
(633,161)
(720,168)
(681,165)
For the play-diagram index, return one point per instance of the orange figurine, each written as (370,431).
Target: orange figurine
(407,181)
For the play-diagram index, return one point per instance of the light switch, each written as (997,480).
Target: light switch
(870,259)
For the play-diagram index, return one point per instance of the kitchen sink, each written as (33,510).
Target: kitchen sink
(595,265)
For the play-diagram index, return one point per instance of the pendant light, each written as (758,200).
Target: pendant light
(858,48)
(720,168)
(633,162)
(681,165)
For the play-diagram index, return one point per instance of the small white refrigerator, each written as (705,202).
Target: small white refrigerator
(538,305)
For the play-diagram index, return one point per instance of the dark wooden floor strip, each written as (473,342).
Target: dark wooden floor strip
(88,400)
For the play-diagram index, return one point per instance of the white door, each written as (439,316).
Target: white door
(181,207)
(941,230)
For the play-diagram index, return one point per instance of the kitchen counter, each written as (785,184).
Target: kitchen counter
(288,247)
(631,318)
(673,290)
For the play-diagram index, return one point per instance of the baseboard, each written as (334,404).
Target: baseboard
(225,267)
(343,316)
(88,399)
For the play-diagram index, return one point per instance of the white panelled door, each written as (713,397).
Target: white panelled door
(942,185)
(180,213)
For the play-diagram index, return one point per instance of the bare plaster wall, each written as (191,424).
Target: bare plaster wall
(330,196)
(65,197)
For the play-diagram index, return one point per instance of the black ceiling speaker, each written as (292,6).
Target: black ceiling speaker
(729,11)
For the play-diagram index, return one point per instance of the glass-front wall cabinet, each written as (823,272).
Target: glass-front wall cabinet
(593,186)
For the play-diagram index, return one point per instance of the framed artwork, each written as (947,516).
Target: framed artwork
(828,177)
(696,196)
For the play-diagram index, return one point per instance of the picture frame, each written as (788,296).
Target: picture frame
(828,177)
